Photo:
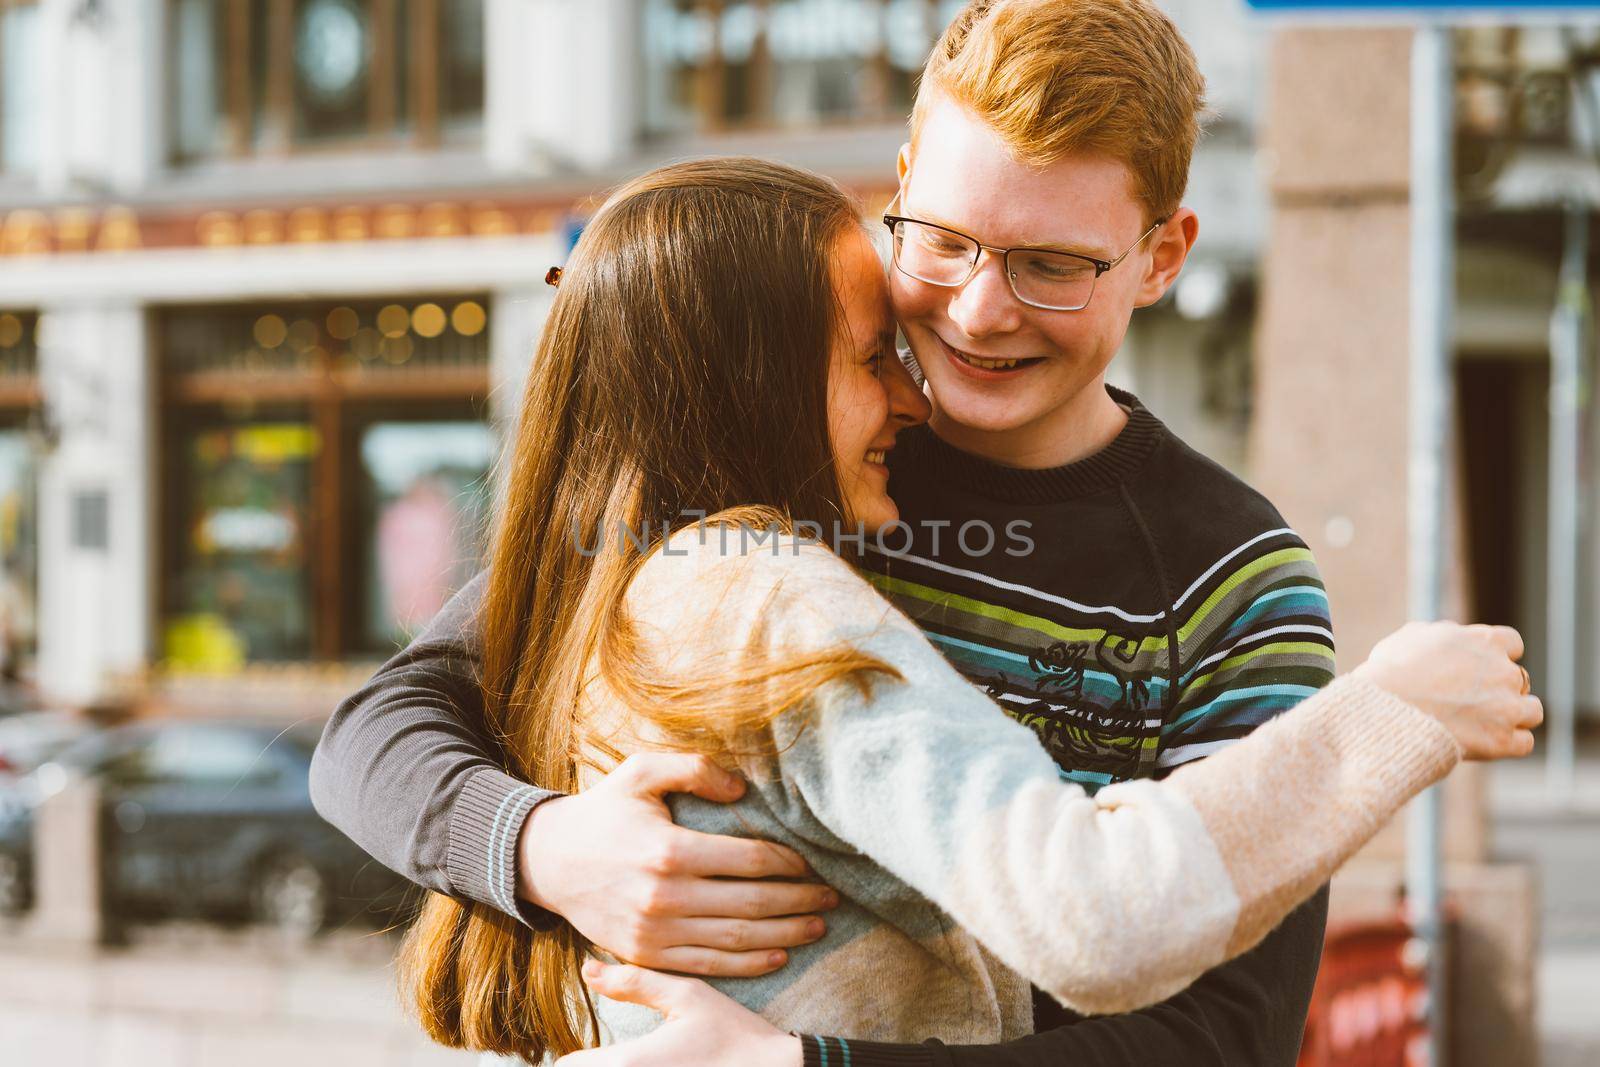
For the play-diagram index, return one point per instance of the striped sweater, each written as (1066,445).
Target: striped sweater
(1163,611)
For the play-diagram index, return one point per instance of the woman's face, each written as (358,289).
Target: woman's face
(871,396)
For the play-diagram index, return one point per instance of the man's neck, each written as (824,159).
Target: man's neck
(1076,430)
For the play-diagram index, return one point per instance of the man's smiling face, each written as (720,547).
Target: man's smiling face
(964,177)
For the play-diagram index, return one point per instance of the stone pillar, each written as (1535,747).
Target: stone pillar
(560,91)
(66,868)
(1328,442)
(96,501)
(103,127)
(57,95)
(1329,437)
(135,150)
(516,318)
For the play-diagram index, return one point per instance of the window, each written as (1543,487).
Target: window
(325,475)
(713,64)
(19,464)
(244,590)
(20,77)
(262,76)
(426,501)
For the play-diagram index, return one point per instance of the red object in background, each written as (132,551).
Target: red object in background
(1370,1004)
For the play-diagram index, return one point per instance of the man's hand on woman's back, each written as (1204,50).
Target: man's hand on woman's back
(611,862)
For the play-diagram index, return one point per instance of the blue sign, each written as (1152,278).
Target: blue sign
(573,226)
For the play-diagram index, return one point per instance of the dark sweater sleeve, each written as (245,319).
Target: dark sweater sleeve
(1249,1012)
(405,772)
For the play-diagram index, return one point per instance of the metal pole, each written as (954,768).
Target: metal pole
(1567,338)
(1430,400)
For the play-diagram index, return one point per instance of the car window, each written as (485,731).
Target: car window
(30,739)
(195,756)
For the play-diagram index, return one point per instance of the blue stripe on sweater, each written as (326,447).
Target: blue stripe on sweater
(1273,698)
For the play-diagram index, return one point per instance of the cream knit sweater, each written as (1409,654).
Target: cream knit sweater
(968,868)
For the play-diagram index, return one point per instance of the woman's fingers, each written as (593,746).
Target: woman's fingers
(620,981)
(1503,638)
(1508,639)
(1530,712)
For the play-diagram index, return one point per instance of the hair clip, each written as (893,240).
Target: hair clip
(552,277)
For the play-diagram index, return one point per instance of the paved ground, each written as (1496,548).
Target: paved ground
(1565,844)
(204,999)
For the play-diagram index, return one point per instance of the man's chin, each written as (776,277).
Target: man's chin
(988,416)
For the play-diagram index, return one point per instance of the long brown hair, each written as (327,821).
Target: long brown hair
(683,368)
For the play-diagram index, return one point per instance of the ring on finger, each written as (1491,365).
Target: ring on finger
(1527,681)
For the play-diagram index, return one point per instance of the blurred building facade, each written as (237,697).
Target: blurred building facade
(271,274)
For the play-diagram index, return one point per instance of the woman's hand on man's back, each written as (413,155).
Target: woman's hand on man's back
(611,861)
(1467,678)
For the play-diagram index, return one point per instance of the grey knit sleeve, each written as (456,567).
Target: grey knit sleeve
(404,771)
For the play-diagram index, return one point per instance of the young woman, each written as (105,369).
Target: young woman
(721,344)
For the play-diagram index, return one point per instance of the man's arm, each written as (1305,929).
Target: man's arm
(1249,1012)
(405,772)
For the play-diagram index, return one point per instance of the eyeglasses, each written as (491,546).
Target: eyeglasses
(1040,277)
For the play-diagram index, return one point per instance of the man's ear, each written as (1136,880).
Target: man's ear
(1169,248)
(902,163)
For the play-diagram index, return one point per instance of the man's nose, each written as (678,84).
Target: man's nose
(986,305)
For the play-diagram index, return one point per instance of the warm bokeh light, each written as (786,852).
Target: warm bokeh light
(343,323)
(428,320)
(302,334)
(270,331)
(394,321)
(396,350)
(365,342)
(468,318)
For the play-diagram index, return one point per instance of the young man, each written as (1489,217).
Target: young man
(1164,611)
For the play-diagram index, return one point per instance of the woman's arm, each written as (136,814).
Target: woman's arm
(1119,900)
(1109,902)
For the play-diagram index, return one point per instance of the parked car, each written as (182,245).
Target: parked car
(206,818)
(30,738)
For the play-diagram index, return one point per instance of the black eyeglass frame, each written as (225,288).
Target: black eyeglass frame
(1100,265)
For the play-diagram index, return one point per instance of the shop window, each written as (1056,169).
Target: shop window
(714,65)
(244,588)
(21,440)
(19,352)
(20,77)
(258,76)
(19,551)
(326,470)
(426,495)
